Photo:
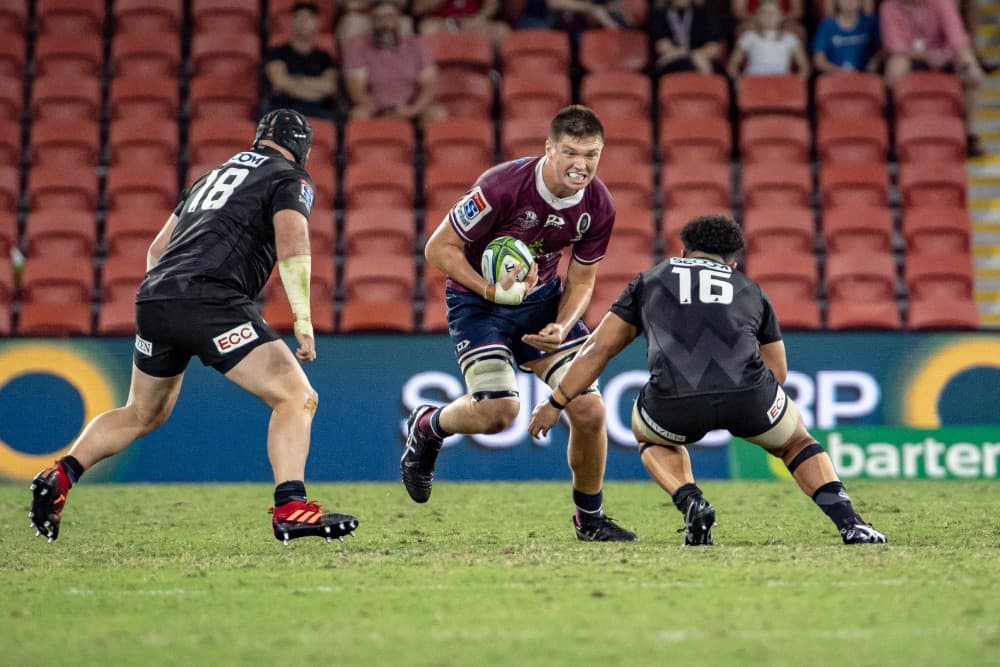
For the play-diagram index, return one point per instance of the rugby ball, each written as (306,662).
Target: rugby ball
(502,255)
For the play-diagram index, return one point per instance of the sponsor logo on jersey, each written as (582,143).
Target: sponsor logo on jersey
(659,430)
(248,159)
(306,195)
(582,226)
(527,220)
(472,208)
(774,411)
(554,221)
(144,346)
(235,338)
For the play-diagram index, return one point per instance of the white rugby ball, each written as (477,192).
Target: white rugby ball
(502,255)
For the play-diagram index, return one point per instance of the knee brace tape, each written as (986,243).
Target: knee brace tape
(805,453)
(555,373)
(491,377)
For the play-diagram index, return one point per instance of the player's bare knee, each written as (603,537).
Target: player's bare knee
(797,450)
(586,412)
(498,414)
(150,419)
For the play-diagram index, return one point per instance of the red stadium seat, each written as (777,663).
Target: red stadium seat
(535,95)
(65,142)
(776,184)
(377,277)
(845,314)
(324,142)
(633,233)
(693,95)
(377,185)
(69,55)
(69,98)
(120,277)
(850,95)
(278,314)
(940,275)
(8,232)
(937,229)
(696,185)
(457,140)
(685,140)
(857,229)
(930,139)
(225,16)
(221,98)
(797,314)
(322,281)
(615,272)
(432,219)
(445,184)
(779,229)
(70,17)
(525,52)
(226,54)
(465,94)
(928,93)
(145,97)
(116,317)
(848,140)
(54,319)
(13,17)
(131,188)
(128,232)
(214,141)
(7,286)
(322,232)
(602,50)
(133,16)
(62,280)
(10,183)
(615,93)
(326,11)
(521,137)
(461,51)
(146,54)
(632,184)
(376,315)
(862,277)
(59,187)
(948,314)
(767,94)
(775,138)
(942,184)
(674,220)
(380,231)
(784,275)
(325,178)
(11,97)
(143,142)
(379,140)
(627,140)
(58,233)
(854,185)
(11,55)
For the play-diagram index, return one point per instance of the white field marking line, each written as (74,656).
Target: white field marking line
(141,591)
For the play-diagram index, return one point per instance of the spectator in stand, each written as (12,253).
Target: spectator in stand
(301,76)
(846,40)
(768,48)
(438,16)
(685,37)
(573,16)
(745,11)
(391,74)
(354,20)
(928,35)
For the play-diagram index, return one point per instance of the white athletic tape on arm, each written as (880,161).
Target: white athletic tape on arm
(295,276)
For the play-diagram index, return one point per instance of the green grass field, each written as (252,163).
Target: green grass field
(491,574)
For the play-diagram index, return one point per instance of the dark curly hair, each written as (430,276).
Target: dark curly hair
(714,234)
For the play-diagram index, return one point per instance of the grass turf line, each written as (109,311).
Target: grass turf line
(491,574)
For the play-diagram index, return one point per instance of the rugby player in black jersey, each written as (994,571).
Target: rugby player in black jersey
(716,360)
(205,269)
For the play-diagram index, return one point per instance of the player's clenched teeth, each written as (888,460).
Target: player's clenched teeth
(577,176)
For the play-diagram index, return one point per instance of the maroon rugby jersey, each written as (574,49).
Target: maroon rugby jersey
(510,199)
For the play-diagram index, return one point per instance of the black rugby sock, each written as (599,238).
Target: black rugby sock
(832,498)
(686,495)
(286,492)
(74,470)
(589,503)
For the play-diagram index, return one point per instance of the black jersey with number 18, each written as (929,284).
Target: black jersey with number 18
(703,322)
(224,239)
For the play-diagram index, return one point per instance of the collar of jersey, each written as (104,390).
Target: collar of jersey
(550,199)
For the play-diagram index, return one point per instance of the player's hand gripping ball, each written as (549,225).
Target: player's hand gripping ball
(503,255)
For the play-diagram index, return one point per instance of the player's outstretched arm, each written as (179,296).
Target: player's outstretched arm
(291,240)
(611,337)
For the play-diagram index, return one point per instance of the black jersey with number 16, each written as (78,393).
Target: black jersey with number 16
(224,239)
(703,322)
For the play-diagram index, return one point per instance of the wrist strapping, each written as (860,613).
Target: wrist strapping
(295,276)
